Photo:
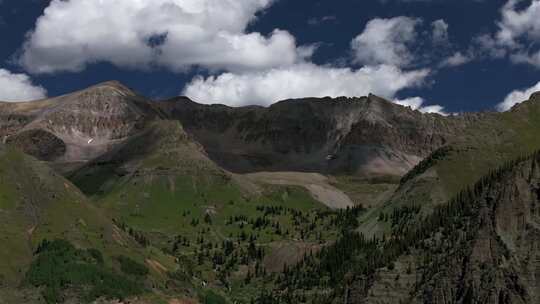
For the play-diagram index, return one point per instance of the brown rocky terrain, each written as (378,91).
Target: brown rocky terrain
(363,136)
(77,127)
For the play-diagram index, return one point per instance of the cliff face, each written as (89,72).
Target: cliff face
(365,136)
(491,255)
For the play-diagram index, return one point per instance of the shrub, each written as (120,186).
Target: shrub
(131,267)
(59,266)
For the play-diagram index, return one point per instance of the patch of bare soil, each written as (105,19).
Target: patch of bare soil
(117,236)
(156,266)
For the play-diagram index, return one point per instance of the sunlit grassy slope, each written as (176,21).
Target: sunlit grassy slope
(162,187)
(37,204)
(495,139)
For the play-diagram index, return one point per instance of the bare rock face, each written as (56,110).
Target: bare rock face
(38,143)
(76,127)
(365,136)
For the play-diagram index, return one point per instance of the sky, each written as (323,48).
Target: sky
(444,56)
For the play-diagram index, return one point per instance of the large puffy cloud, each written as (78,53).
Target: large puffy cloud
(517,23)
(180,34)
(517,97)
(386,41)
(18,87)
(403,41)
(301,80)
(383,49)
(518,33)
(176,34)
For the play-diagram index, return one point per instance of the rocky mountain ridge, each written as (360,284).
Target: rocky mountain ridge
(366,136)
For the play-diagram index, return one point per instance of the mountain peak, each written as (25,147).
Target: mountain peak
(110,83)
(83,125)
(113,86)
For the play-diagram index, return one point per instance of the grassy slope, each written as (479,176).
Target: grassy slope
(161,182)
(500,138)
(496,139)
(35,204)
(31,196)
(171,182)
(174,184)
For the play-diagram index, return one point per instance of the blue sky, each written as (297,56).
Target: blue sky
(461,55)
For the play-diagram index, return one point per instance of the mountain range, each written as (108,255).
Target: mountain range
(107,196)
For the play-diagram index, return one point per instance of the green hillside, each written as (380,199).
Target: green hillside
(495,139)
(37,204)
(162,189)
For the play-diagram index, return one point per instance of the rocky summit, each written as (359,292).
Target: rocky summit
(76,127)
(108,196)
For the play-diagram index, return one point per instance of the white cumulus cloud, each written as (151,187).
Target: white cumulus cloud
(176,34)
(518,33)
(246,67)
(436,109)
(382,48)
(518,23)
(386,41)
(416,103)
(18,87)
(516,97)
(457,59)
(301,80)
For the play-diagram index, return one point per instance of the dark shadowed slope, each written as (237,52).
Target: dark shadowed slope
(366,136)
(484,247)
